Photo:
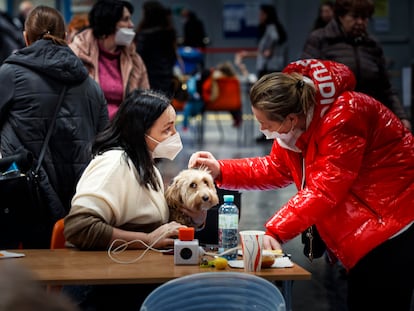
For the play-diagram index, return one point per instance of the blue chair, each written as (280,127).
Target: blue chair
(228,291)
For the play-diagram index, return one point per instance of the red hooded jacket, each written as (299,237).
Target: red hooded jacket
(358,169)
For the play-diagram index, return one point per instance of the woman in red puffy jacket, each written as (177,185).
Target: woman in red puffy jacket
(352,161)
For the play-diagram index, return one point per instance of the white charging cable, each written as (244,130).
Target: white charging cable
(112,250)
(124,245)
(230,250)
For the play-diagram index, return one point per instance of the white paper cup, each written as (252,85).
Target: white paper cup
(252,246)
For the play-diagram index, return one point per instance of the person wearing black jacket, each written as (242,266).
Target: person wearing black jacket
(31,81)
(156,43)
(194,32)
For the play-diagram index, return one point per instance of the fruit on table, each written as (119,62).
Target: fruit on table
(220,263)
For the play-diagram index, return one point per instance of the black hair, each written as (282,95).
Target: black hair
(154,15)
(319,22)
(105,14)
(135,116)
(364,8)
(272,18)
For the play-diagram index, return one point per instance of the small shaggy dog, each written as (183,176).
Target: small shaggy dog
(192,188)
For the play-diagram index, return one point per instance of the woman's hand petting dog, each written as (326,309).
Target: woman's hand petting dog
(206,160)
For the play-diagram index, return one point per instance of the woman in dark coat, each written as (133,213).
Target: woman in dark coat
(156,43)
(31,81)
(345,39)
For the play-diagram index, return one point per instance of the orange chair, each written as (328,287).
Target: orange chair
(229,99)
(58,239)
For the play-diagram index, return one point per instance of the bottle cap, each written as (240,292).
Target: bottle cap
(228,198)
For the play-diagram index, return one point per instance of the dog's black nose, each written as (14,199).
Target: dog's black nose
(205,198)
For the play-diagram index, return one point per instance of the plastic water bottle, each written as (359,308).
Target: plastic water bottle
(228,227)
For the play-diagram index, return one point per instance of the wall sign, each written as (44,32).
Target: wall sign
(240,20)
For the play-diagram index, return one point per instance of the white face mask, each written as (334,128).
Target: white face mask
(168,148)
(270,134)
(286,140)
(124,36)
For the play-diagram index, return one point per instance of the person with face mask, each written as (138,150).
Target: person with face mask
(122,187)
(120,195)
(108,51)
(351,160)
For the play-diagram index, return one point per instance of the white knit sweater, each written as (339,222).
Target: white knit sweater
(109,188)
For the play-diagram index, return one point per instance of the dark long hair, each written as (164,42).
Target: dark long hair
(272,18)
(154,15)
(135,116)
(319,21)
(363,8)
(105,14)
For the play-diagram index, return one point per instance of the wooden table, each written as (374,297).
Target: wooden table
(69,266)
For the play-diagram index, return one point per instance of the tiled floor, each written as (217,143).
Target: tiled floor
(327,289)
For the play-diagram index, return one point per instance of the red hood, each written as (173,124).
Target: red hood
(330,78)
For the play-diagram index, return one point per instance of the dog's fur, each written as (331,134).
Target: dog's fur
(192,188)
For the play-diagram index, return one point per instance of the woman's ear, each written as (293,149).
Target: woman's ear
(26,39)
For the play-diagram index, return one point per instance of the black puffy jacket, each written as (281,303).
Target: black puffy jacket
(363,55)
(30,83)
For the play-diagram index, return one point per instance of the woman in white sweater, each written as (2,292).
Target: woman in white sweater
(121,194)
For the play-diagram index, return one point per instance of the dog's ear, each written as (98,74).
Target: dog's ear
(173,193)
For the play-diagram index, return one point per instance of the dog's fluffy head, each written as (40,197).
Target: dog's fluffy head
(191,188)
